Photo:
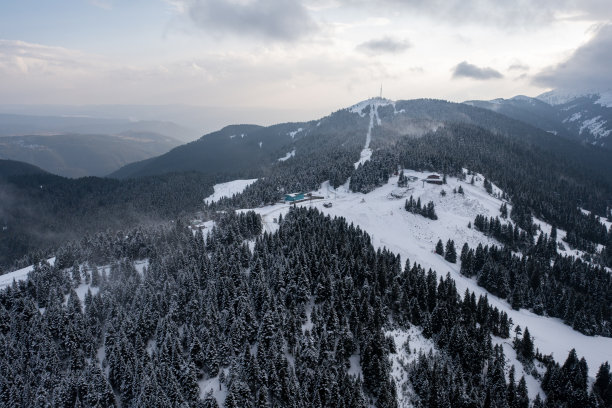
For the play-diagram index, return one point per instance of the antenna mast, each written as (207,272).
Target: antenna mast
(381,90)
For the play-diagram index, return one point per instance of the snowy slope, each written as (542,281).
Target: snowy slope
(585,113)
(228,189)
(18,275)
(414,238)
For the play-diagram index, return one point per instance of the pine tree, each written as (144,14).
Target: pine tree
(450,254)
(504,210)
(527,345)
(603,381)
(522,397)
(440,248)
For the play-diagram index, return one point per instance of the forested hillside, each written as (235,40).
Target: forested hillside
(304,319)
(40,211)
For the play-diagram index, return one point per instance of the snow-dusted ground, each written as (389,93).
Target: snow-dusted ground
(219,391)
(533,386)
(18,275)
(413,340)
(414,238)
(228,189)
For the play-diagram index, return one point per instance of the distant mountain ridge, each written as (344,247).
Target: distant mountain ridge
(79,155)
(244,150)
(585,116)
(21,125)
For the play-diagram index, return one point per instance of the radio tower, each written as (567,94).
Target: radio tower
(381,90)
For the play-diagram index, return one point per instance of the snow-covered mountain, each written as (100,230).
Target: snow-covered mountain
(562,97)
(256,295)
(588,114)
(585,116)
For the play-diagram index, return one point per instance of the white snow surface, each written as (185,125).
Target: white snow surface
(288,156)
(19,275)
(228,189)
(414,237)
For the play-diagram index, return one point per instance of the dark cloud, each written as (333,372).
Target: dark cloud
(384,45)
(466,70)
(271,19)
(587,68)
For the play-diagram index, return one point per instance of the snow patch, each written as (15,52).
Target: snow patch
(219,391)
(573,118)
(596,127)
(355,366)
(288,156)
(295,132)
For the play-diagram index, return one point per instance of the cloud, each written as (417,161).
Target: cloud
(25,57)
(503,14)
(518,67)
(466,70)
(384,45)
(278,20)
(587,68)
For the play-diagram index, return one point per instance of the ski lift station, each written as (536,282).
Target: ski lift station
(294,197)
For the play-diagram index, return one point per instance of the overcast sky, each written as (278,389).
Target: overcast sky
(305,54)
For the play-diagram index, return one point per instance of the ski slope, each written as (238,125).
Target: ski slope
(414,237)
(228,189)
(373,103)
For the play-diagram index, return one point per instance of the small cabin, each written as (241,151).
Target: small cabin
(434,179)
(294,197)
